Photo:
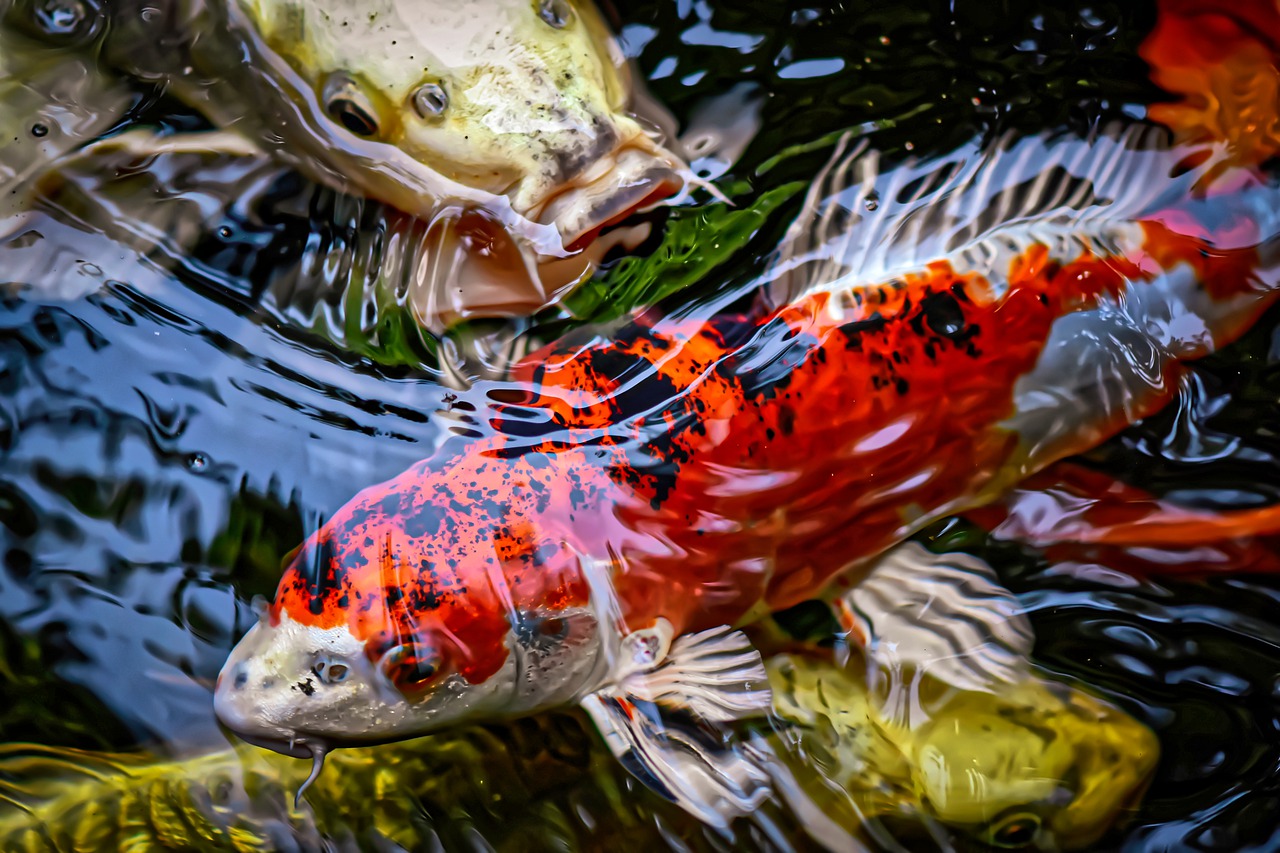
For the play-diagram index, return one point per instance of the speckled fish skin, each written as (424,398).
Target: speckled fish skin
(713,458)
(700,469)
(531,122)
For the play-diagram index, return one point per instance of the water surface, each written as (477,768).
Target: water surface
(168,437)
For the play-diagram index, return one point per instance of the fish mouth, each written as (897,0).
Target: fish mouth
(632,180)
(301,746)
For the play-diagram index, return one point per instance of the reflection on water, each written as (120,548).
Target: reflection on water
(169,436)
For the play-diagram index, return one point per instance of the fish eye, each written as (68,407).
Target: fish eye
(411,667)
(348,106)
(555,628)
(430,100)
(1019,830)
(330,671)
(536,629)
(555,13)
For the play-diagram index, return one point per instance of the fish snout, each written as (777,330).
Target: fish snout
(242,686)
(637,179)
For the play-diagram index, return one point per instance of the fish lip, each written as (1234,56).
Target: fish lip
(581,211)
(295,747)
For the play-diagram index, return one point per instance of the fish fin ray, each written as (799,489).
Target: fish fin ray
(944,615)
(662,718)
(714,674)
(680,760)
(978,206)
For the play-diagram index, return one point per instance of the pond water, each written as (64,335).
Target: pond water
(169,435)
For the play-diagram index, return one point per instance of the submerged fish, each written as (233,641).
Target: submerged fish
(1057,764)
(1039,765)
(503,120)
(934,335)
(50,105)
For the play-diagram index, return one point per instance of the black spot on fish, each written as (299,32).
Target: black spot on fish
(943,315)
(390,505)
(356,520)
(542,556)
(786,420)
(307,688)
(855,332)
(426,521)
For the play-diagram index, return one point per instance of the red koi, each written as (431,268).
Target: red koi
(990,314)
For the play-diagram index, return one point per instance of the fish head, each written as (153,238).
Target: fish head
(524,99)
(409,613)
(1041,766)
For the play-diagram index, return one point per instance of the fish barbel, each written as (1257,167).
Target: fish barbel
(929,337)
(507,119)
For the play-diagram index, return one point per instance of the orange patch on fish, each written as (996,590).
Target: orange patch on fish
(1219,59)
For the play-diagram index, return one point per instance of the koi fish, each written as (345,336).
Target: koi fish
(51,105)
(504,122)
(1054,768)
(928,338)
(1060,766)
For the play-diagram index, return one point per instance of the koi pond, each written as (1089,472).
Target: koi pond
(204,355)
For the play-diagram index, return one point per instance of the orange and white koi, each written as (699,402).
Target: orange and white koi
(929,337)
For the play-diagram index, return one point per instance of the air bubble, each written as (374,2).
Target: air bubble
(555,13)
(197,462)
(430,100)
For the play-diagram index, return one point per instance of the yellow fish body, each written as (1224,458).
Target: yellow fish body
(502,123)
(1040,765)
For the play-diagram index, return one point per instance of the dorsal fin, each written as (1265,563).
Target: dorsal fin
(979,206)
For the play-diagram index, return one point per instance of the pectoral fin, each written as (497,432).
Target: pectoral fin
(1068,503)
(1083,521)
(944,615)
(715,674)
(660,721)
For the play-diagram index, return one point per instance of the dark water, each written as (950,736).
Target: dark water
(167,439)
